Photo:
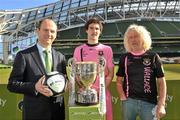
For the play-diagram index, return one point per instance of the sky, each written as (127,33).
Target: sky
(23,4)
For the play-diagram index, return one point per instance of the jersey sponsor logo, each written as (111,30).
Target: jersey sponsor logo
(147,76)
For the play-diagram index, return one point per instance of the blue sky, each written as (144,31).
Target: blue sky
(23,4)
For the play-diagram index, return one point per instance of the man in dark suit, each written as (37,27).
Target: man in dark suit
(29,73)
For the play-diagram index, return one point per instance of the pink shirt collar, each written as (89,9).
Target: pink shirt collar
(138,53)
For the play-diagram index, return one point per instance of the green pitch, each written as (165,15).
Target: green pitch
(171,73)
(9,101)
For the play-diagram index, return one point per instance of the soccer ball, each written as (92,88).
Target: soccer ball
(56,83)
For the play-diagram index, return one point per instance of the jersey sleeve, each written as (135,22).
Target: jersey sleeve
(109,61)
(76,54)
(121,66)
(159,67)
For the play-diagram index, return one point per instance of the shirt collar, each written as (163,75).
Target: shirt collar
(92,45)
(41,49)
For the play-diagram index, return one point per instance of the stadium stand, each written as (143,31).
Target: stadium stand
(166,44)
(161,18)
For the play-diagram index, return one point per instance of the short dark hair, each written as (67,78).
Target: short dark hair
(94,20)
(38,25)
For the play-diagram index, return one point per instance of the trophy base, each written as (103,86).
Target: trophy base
(85,104)
(87,97)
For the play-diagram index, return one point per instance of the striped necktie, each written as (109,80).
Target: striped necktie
(48,64)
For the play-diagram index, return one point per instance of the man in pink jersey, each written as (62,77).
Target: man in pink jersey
(90,51)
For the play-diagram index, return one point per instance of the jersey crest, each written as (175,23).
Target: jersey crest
(147,61)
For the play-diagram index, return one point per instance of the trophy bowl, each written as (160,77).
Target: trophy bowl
(86,73)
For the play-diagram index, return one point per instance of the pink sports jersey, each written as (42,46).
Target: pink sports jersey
(88,52)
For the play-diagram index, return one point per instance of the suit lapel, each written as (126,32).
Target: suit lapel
(36,57)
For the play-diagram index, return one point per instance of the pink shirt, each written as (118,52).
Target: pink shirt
(87,52)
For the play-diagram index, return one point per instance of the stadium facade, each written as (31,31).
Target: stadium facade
(161,18)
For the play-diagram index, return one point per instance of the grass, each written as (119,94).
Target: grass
(3,65)
(171,73)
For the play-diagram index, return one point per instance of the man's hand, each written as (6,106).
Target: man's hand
(43,89)
(123,97)
(160,112)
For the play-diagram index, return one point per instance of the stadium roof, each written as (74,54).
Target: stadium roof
(18,24)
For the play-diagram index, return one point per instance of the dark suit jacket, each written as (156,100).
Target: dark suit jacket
(27,69)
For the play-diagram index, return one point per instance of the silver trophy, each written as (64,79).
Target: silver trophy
(82,76)
(85,74)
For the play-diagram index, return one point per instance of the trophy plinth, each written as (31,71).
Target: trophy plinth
(86,73)
(87,97)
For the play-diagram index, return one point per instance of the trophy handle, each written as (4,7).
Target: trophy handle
(71,63)
(102,63)
(102,92)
